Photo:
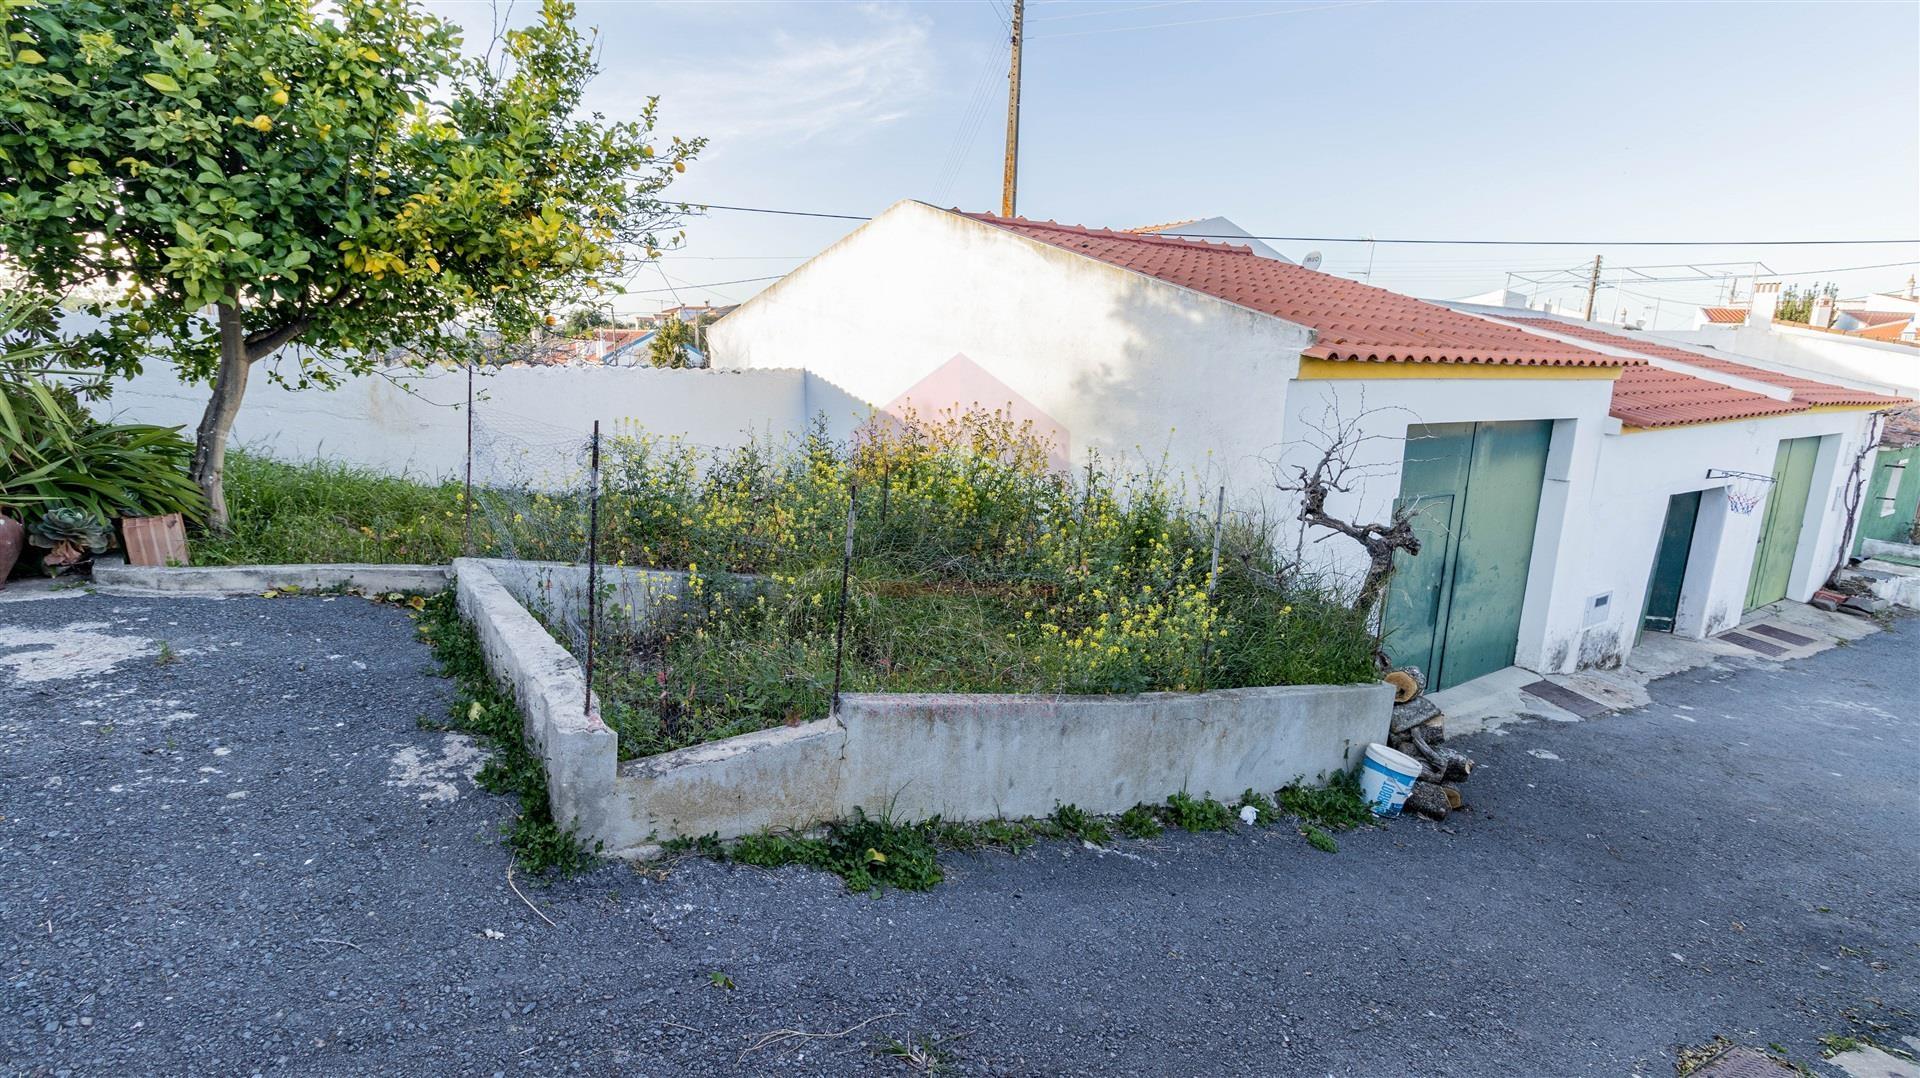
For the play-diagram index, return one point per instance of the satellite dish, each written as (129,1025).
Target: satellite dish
(1312,261)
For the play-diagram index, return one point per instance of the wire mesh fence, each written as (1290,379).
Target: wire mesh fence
(716,591)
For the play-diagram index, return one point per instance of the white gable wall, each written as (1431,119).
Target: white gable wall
(1125,363)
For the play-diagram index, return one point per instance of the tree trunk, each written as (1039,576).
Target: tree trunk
(210,442)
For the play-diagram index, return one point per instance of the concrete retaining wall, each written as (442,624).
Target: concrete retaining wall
(979,757)
(579,751)
(963,757)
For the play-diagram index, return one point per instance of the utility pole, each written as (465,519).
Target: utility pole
(1593,286)
(1009,178)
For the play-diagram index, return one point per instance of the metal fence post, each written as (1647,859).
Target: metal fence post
(466,543)
(846,572)
(593,561)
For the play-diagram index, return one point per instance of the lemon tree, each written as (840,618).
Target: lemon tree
(225,179)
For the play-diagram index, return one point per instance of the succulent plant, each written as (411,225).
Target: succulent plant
(70,536)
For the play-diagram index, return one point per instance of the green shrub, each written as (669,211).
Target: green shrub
(53,455)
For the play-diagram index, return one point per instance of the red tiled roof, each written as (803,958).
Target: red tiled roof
(1879,318)
(1724,315)
(1888,331)
(1351,321)
(1804,390)
(1657,397)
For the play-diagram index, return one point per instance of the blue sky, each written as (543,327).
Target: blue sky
(1582,122)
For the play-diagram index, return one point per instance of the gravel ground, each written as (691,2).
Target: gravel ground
(236,851)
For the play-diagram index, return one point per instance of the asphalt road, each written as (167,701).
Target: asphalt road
(227,847)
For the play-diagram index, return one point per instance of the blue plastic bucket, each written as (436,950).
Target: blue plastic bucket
(1386,778)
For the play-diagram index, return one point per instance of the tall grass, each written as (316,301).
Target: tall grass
(977,568)
(320,511)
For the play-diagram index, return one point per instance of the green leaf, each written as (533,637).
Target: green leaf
(28,56)
(164,83)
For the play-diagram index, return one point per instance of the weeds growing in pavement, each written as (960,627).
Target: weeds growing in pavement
(1337,806)
(873,853)
(1141,821)
(927,1055)
(538,842)
(1198,814)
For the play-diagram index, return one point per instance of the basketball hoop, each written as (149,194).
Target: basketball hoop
(1746,491)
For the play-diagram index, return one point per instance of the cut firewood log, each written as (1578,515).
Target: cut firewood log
(1452,766)
(1454,800)
(1417,713)
(1408,682)
(1429,800)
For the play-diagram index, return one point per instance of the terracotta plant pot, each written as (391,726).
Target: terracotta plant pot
(13,539)
(155,540)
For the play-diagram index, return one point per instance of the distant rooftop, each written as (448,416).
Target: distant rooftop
(1805,391)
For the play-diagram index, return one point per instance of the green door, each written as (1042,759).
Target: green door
(1417,600)
(1785,515)
(1670,562)
(1475,487)
(1892,502)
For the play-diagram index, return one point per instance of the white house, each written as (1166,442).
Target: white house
(1674,548)
(1508,441)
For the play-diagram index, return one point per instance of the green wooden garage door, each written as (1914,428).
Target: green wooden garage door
(1474,489)
(1785,515)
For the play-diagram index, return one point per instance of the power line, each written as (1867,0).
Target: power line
(1197,22)
(697,206)
(1113,11)
(693,287)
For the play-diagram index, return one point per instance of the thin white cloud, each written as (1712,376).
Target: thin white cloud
(788,86)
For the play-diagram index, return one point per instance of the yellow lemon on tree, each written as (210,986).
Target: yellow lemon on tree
(279,97)
(261,123)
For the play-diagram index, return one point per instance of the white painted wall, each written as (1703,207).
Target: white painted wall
(421,429)
(1551,614)
(1125,363)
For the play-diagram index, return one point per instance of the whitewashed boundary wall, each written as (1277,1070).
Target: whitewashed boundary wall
(412,423)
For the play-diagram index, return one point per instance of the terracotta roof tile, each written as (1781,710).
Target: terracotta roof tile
(1657,397)
(1352,321)
(1885,331)
(1724,315)
(1804,390)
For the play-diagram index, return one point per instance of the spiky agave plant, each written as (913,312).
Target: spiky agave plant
(70,536)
